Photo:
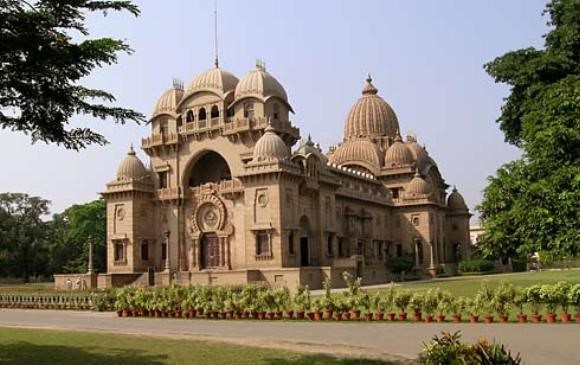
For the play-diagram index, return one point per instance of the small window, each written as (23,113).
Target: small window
(144,250)
(164,128)
(399,250)
(202,114)
(340,247)
(329,249)
(163,180)
(189,117)
(119,251)
(419,248)
(163,251)
(248,110)
(276,109)
(415,220)
(215,113)
(291,243)
(262,243)
(395,192)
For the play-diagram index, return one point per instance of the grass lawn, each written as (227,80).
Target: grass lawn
(468,285)
(32,347)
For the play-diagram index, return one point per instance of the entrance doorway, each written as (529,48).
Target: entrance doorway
(151,276)
(304,254)
(210,251)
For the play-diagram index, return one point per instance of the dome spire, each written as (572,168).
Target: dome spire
(369,88)
(215,33)
(131,150)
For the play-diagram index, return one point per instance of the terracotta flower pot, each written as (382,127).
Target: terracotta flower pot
(417,316)
(270,315)
(261,315)
(440,318)
(223,315)
(290,314)
(125,313)
(577,317)
(402,316)
(522,318)
(456,318)
(254,315)
(550,318)
(310,316)
(473,318)
(300,315)
(536,318)
(428,318)
(503,318)
(356,314)
(379,316)
(488,319)
(368,316)
(119,313)
(346,316)
(337,316)
(328,313)
(317,315)
(565,318)
(391,316)
(245,314)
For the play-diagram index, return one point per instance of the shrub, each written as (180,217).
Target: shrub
(478,265)
(402,299)
(401,264)
(416,302)
(430,301)
(504,296)
(519,265)
(534,297)
(574,297)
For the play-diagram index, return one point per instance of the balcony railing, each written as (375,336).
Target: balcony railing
(236,125)
(160,140)
(167,193)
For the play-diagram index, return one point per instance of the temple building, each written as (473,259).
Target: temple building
(229,194)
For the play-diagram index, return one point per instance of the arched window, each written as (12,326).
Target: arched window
(202,114)
(230,112)
(419,248)
(248,110)
(189,117)
(329,245)
(276,109)
(215,113)
(291,243)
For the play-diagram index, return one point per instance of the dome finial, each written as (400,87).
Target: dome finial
(417,173)
(369,78)
(131,150)
(270,127)
(369,88)
(454,188)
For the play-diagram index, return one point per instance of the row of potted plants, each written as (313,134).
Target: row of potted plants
(46,301)
(259,302)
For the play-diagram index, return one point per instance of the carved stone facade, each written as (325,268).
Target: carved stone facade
(225,200)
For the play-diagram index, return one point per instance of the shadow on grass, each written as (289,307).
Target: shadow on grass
(32,354)
(327,360)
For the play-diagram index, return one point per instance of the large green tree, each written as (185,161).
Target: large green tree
(532,203)
(42,66)
(23,235)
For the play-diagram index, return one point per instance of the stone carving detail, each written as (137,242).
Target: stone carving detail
(209,216)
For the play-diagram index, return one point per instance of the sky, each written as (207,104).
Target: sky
(426,58)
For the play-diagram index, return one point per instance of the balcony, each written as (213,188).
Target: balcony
(158,140)
(167,194)
(228,188)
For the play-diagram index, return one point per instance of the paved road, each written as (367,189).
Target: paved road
(538,343)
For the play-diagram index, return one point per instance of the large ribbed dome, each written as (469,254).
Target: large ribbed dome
(131,168)
(260,84)
(418,186)
(215,79)
(371,116)
(169,99)
(270,147)
(456,201)
(357,151)
(398,155)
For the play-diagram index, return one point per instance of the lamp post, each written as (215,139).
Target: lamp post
(166,234)
(90,268)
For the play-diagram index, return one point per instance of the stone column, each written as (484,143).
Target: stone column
(90,268)
(416,249)
(166,264)
(432,268)
(222,251)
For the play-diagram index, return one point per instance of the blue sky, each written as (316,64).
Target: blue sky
(425,57)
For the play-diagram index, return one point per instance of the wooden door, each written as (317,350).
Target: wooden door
(210,251)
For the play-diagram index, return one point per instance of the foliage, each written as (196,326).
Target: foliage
(531,203)
(417,302)
(41,67)
(534,297)
(477,265)
(574,297)
(398,265)
(402,299)
(503,297)
(430,301)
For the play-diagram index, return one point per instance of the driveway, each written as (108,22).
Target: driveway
(537,343)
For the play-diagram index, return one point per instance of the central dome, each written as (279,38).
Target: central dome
(261,84)
(371,116)
(215,79)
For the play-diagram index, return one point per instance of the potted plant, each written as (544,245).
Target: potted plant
(474,306)
(574,299)
(340,306)
(302,301)
(402,299)
(519,301)
(388,302)
(327,299)
(376,304)
(487,301)
(504,296)
(456,307)
(550,296)
(317,309)
(416,304)
(430,302)
(364,306)
(443,305)
(563,298)
(534,298)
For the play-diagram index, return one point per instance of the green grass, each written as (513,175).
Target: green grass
(35,347)
(468,285)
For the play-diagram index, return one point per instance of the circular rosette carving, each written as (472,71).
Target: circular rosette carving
(209,215)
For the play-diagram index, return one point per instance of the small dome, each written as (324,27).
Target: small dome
(215,79)
(168,101)
(420,155)
(455,201)
(308,148)
(131,168)
(357,151)
(398,155)
(261,84)
(270,147)
(418,186)
(370,116)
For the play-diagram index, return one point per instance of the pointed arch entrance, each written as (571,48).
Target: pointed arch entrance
(304,241)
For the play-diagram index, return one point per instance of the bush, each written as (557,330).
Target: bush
(479,265)
(399,264)
(519,265)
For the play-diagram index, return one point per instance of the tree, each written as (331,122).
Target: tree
(532,203)
(41,68)
(70,233)
(23,235)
